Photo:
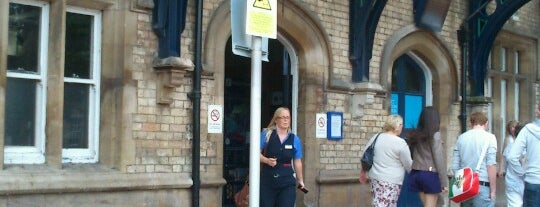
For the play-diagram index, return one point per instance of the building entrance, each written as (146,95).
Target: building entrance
(277,90)
(408,100)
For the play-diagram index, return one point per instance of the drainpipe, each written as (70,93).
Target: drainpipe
(463,38)
(195,96)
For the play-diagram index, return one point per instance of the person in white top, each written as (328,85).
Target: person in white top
(467,152)
(528,142)
(514,182)
(392,159)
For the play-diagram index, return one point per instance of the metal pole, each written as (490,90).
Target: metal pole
(196,98)
(463,35)
(255,126)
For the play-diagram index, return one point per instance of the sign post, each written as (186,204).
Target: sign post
(255,119)
(261,21)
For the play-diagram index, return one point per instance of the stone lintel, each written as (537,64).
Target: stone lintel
(479,100)
(347,86)
(209,181)
(141,6)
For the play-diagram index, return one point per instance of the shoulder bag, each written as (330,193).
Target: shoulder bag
(241,198)
(465,184)
(369,154)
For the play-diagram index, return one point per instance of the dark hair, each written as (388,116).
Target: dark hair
(428,125)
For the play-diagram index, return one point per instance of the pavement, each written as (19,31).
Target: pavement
(501,195)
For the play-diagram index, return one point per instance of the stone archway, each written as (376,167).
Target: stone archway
(434,54)
(314,65)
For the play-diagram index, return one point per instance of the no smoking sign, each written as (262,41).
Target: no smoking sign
(215,119)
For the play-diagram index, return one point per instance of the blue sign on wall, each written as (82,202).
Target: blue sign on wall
(335,125)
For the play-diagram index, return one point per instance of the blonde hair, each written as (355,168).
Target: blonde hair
(509,126)
(272,125)
(478,118)
(392,123)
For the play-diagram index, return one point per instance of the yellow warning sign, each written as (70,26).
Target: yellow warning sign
(263,4)
(261,18)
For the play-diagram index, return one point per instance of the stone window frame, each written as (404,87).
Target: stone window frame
(37,154)
(33,154)
(518,82)
(90,154)
(108,127)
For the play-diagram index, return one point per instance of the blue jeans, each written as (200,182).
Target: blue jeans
(531,196)
(481,200)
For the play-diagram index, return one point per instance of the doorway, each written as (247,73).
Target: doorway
(408,99)
(408,90)
(279,88)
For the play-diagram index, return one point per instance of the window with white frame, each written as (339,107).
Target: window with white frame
(81,85)
(516,86)
(489,93)
(516,101)
(26,84)
(502,104)
(24,136)
(510,80)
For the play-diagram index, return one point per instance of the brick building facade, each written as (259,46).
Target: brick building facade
(143,130)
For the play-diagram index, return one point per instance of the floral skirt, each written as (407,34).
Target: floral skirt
(384,194)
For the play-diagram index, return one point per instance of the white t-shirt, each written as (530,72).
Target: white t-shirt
(468,149)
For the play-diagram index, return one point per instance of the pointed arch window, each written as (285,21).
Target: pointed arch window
(408,90)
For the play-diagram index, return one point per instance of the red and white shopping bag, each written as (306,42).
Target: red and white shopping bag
(464,186)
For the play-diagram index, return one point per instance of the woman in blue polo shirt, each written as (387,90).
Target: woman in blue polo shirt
(281,150)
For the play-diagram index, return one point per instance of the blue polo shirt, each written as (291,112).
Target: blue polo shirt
(296,142)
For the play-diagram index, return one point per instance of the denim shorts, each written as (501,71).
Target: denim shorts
(424,181)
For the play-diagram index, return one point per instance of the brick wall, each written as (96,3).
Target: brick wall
(163,134)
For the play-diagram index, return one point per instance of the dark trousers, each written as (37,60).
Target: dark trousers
(531,196)
(275,193)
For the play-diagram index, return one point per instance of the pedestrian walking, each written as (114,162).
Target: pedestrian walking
(528,143)
(281,151)
(467,153)
(513,181)
(428,176)
(392,159)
